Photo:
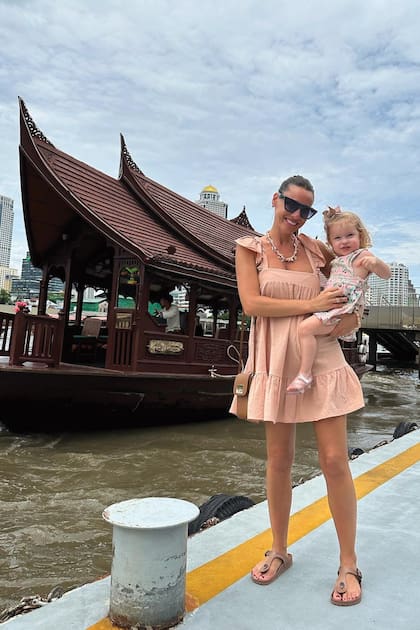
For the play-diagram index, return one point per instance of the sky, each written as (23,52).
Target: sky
(238,94)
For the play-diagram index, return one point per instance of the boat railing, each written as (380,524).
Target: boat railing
(163,351)
(6,328)
(36,338)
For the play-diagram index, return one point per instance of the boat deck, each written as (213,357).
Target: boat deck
(70,368)
(221,595)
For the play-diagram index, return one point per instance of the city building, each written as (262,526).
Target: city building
(7,274)
(28,285)
(210,199)
(413,296)
(6,229)
(397,291)
(180,298)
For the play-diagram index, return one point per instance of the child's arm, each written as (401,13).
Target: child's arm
(373,264)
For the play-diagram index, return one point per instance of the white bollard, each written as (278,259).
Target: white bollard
(149,560)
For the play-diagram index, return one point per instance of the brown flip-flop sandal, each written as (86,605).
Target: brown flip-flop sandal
(286,563)
(342,588)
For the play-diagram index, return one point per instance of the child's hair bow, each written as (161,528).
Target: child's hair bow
(331,212)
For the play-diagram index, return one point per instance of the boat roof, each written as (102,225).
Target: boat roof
(163,229)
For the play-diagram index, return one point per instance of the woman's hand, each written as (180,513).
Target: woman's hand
(346,325)
(328,298)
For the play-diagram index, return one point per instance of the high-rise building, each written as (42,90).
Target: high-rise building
(7,275)
(6,230)
(28,284)
(393,292)
(180,298)
(210,199)
(413,297)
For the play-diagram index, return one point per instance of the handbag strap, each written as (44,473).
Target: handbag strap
(241,341)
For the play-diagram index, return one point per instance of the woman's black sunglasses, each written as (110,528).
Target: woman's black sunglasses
(291,205)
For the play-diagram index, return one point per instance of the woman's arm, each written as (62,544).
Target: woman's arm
(255,304)
(328,255)
(346,325)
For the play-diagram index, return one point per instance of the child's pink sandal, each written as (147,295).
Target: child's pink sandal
(299,384)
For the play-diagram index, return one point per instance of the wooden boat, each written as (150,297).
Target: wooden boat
(132,239)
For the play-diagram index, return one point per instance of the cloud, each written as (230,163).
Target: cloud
(238,95)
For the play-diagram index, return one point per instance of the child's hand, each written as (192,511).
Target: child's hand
(372,264)
(368,262)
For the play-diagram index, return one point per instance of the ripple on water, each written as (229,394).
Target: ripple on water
(53,489)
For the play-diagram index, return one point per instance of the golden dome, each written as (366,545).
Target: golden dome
(210,189)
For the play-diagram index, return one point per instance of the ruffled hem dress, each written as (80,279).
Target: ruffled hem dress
(335,390)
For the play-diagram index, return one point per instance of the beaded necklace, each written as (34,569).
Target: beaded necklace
(279,255)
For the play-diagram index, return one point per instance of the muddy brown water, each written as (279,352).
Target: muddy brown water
(53,488)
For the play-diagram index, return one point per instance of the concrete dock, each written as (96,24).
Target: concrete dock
(221,596)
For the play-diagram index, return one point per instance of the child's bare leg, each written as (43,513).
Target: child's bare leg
(308,330)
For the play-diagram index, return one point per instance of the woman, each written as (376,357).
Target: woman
(279,283)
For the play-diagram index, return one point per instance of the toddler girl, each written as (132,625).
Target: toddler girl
(349,239)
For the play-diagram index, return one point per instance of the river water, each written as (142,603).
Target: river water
(53,488)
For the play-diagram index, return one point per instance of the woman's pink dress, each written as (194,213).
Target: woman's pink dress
(335,390)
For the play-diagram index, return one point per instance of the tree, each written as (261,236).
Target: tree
(4,297)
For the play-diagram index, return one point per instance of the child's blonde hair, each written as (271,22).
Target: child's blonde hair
(334,215)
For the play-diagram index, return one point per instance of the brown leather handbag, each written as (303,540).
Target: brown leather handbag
(242,382)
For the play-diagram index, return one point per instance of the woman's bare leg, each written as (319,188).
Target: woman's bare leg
(280,444)
(331,435)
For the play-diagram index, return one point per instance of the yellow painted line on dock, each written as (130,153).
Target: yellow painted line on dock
(210,579)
